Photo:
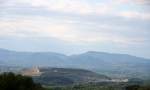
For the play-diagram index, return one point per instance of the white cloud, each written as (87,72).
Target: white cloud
(28,27)
(81,7)
(40,27)
(35,28)
(84,7)
(142,2)
(135,15)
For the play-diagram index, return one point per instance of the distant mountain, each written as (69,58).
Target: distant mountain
(116,65)
(120,65)
(32,59)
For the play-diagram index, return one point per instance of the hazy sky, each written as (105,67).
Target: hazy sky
(76,26)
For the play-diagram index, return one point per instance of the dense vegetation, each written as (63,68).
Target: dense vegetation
(97,87)
(67,76)
(10,81)
(88,87)
(105,86)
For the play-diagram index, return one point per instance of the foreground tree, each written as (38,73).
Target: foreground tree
(10,81)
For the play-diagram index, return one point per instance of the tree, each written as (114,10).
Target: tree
(10,81)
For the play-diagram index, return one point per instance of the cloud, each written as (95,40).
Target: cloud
(135,15)
(31,28)
(84,7)
(81,7)
(68,32)
(71,6)
(71,32)
(142,2)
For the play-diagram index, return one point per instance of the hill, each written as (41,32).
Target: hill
(112,65)
(66,76)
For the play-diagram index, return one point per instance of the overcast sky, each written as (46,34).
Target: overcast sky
(76,26)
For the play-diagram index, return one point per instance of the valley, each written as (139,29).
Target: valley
(87,71)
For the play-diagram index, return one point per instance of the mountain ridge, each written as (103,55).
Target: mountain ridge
(8,50)
(121,64)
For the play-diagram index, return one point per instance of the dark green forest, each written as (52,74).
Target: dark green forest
(101,87)
(11,81)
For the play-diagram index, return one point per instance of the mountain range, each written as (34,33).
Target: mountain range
(110,64)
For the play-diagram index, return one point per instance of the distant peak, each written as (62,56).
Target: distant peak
(95,52)
(92,52)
